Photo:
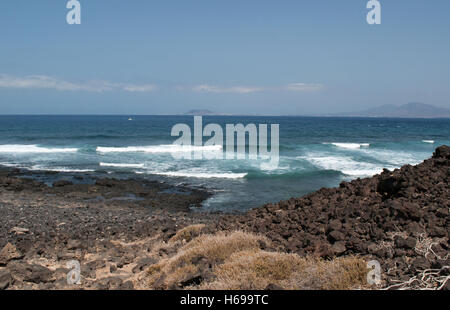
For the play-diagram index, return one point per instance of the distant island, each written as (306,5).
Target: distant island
(200,112)
(410,110)
(203,113)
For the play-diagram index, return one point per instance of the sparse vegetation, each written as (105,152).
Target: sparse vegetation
(188,233)
(236,261)
(256,270)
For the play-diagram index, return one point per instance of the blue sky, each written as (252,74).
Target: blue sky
(252,57)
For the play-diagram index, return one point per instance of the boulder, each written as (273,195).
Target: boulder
(8,253)
(339,247)
(30,272)
(62,183)
(442,152)
(5,279)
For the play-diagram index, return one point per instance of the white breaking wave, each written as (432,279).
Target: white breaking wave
(428,141)
(42,168)
(346,165)
(122,165)
(58,169)
(352,146)
(24,149)
(167,148)
(202,175)
(395,159)
(9,165)
(69,170)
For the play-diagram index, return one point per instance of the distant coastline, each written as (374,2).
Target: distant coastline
(410,110)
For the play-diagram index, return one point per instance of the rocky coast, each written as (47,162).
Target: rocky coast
(124,232)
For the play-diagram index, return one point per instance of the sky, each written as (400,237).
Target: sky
(284,57)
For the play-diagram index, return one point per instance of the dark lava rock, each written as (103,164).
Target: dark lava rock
(420,264)
(126,286)
(335,225)
(110,283)
(442,152)
(62,183)
(8,253)
(339,247)
(360,217)
(144,262)
(30,272)
(336,236)
(74,244)
(389,185)
(112,268)
(89,269)
(408,243)
(5,279)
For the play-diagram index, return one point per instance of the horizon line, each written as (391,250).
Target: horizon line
(228,115)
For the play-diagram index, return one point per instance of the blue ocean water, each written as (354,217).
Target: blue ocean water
(314,152)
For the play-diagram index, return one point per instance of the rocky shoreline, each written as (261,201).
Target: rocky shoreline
(400,218)
(117,229)
(109,226)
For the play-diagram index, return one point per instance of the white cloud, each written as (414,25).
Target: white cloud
(47,82)
(297,87)
(303,87)
(218,89)
(139,88)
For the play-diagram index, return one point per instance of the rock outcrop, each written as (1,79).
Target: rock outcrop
(400,218)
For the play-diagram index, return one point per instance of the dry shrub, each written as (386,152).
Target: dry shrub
(235,261)
(188,233)
(430,279)
(211,249)
(256,270)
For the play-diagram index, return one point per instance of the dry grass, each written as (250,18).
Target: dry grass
(203,251)
(188,233)
(236,261)
(256,270)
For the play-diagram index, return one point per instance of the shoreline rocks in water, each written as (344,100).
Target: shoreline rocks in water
(118,229)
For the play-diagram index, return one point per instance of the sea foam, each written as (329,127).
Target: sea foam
(352,146)
(343,164)
(165,148)
(202,175)
(23,149)
(59,169)
(122,165)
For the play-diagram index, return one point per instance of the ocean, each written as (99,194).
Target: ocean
(314,152)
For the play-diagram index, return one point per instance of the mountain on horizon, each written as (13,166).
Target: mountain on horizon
(410,110)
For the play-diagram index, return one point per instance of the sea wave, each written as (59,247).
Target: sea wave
(345,165)
(58,169)
(122,165)
(394,158)
(202,175)
(23,149)
(9,165)
(352,146)
(165,148)
(428,141)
